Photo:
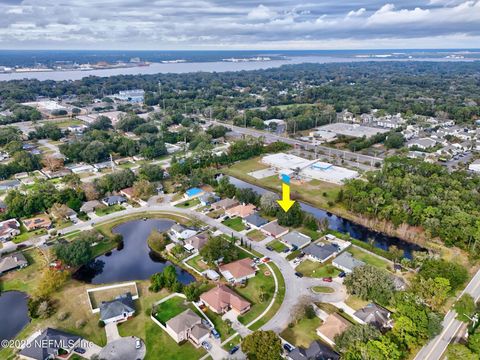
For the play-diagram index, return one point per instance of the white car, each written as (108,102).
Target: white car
(138,344)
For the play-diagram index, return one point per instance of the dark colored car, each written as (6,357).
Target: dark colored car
(288,347)
(301,255)
(342,274)
(327,279)
(269,248)
(215,334)
(80,350)
(298,274)
(234,350)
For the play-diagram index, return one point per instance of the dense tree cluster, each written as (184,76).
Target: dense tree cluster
(417,193)
(217,248)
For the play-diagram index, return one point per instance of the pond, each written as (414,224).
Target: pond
(338,223)
(13,313)
(133,261)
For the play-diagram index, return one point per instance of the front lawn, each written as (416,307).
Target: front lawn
(27,235)
(303,332)
(256,235)
(259,292)
(188,204)
(277,245)
(109,210)
(234,223)
(368,258)
(314,269)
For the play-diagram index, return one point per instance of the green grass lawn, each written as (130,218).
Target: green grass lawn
(197,263)
(234,223)
(355,302)
(315,269)
(253,293)
(224,330)
(25,279)
(303,332)
(293,254)
(368,258)
(188,204)
(109,209)
(170,308)
(277,246)
(26,235)
(322,289)
(313,234)
(256,235)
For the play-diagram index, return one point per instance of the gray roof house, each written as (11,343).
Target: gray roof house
(91,206)
(9,184)
(375,315)
(114,200)
(47,344)
(12,262)
(316,351)
(346,262)
(321,252)
(255,220)
(296,239)
(119,309)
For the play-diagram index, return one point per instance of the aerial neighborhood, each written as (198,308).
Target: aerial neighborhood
(142,216)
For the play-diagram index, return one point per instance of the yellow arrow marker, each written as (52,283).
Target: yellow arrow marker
(286,203)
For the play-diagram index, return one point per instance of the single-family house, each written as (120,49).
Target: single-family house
(9,229)
(179,232)
(12,262)
(91,206)
(49,344)
(9,185)
(127,192)
(475,166)
(346,262)
(296,240)
(120,309)
(423,143)
(224,204)
(187,326)
(70,214)
(114,200)
(37,222)
(208,198)
(274,230)
(316,351)
(333,325)
(242,210)
(221,299)
(193,193)
(196,242)
(376,316)
(255,221)
(238,271)
(320,251)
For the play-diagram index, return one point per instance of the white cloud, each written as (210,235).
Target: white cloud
(261,12)
(358,12)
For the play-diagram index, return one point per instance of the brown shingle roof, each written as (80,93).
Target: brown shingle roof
(333,325)
(221,297)
(241,210)
(239,268)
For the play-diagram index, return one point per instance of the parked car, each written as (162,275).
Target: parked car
(206,345)
(327,279)
(301,255)
(215,334)
(342,274)
(234,350)
(298,274)
(269,248)
(266,259)
(288,347)
(80,350)
(138,344)
(286,250)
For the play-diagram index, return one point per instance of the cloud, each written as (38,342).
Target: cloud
(261,12)
(187,24)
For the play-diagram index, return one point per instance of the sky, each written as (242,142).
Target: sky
(238,24)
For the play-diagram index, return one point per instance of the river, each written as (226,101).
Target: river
(187,67)
(338,223)
(135,261)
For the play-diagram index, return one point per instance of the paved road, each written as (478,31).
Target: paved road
(356,157)
(437,346)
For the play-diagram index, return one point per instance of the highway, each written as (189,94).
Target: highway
(437,346)
(270,137)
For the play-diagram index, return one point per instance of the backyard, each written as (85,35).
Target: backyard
(303,332)
(197,263)
(170,308)
(315,269)
(234,223)
(368,258)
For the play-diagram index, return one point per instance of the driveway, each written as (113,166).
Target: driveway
(123,349)
(112,332)
(90,349)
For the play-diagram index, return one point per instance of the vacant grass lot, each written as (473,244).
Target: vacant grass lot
(259,292)
(277,245)
(303,332)
(109,210)
(234,223)
(188,204)
(315,269)
(368,258)
(256,235)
